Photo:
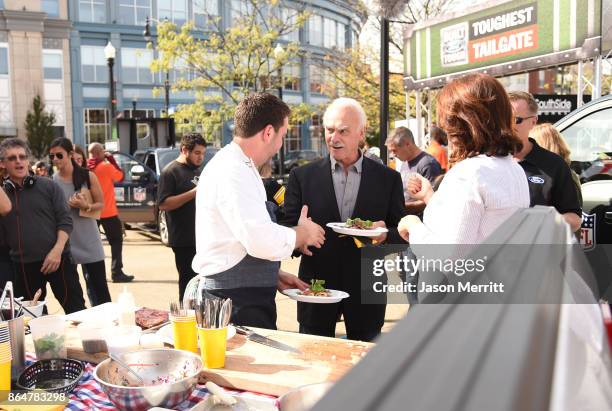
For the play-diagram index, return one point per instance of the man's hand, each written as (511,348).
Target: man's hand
(381,238)
(308,233)
(287,281)
(419,188)
(406,224)
(52,261)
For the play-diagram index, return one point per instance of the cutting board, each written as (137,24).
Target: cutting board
(255,367)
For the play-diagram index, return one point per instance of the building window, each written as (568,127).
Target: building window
(135,65)
(204,11)
(289,17)
(92,11)
(173,10)
(293,138)
(315,30)
(329,33)
(52,64)
(316,79)
(51,7)
(241,9)
(341,36)
(94,67)
(6,115)
(317,142)
(134,12)
(292,77)
(54,84)
(97,125)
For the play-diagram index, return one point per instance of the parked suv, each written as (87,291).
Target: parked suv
(136,194)
(588,133)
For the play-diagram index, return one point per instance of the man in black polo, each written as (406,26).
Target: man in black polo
(177,189)
(549,177)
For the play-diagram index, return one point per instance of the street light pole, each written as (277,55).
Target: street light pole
(278,52)
(110,53)
(384,87)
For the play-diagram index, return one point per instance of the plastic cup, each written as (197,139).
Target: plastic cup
(123,339)
(49,335)
(184,331)
(37,309)
(93,336)
(213,344)
(5,379)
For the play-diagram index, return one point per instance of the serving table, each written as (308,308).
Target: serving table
(251,368)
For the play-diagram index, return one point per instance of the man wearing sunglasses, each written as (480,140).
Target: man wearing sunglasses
(548,175)
(37,231)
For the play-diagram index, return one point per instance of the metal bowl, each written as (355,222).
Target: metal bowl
(170,377)
(303,398)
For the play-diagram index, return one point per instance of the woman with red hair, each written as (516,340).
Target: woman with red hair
(484,185)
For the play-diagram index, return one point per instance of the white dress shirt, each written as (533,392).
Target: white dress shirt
(231,216)
(475,197)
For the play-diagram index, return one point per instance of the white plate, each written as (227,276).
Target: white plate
(335,296)
(341,228)
(168,337)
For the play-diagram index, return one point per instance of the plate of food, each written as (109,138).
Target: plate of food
(316,293)
(357,227)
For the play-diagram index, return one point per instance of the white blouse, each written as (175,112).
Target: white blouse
(231,216)
(475,197)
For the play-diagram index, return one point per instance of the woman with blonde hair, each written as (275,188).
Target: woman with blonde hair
(550,139)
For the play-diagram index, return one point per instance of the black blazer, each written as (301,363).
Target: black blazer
(380,197)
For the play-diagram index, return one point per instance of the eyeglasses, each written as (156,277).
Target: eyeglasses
(14,157)
(59,156)
(519,120)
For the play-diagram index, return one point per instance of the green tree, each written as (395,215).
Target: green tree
(39,128)
(351,75)
(221,66)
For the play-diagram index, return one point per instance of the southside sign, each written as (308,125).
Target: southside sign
(528,33)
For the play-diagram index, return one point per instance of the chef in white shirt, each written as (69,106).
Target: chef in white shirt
(238,245)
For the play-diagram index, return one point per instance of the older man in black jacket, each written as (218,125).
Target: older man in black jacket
(344,185)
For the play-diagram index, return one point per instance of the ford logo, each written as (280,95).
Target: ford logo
(536,180)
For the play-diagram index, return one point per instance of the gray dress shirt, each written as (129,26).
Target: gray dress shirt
(346,186)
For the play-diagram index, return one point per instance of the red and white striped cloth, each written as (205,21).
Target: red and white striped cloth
(88,394)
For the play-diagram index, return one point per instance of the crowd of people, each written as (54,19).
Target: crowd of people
(51,223)
(233,224)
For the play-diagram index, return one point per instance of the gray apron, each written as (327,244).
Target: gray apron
(249,272)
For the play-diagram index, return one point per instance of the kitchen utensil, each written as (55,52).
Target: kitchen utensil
(37,295)
(170,375)
(127,367)
(303,398)
(56,375)
(258,338)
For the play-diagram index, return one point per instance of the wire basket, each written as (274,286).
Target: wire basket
(55,375)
